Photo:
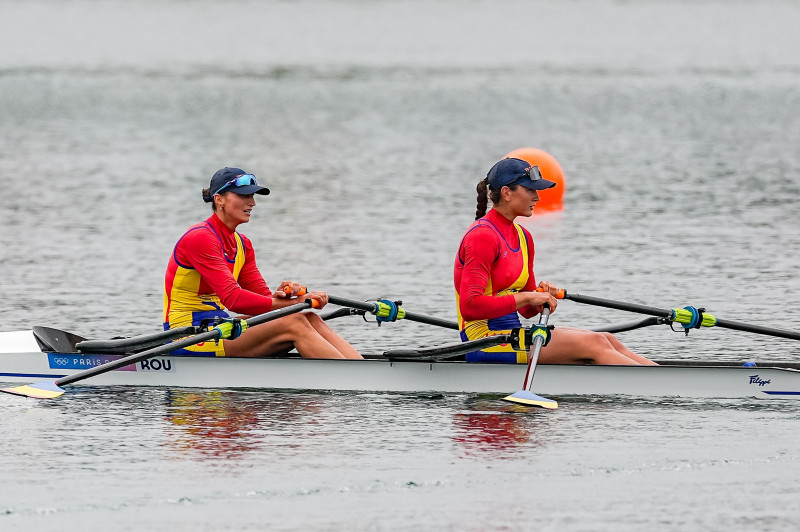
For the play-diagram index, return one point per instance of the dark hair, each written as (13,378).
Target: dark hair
(207,194)
(484,195)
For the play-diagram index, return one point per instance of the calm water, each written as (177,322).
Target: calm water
(676,124)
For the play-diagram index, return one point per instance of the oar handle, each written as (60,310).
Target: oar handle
(561,294)
(303,291)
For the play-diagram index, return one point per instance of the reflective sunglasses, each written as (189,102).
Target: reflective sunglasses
(241,181)
(532,173)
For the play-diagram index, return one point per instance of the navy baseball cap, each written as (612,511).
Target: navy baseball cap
(235,180)
(513,171)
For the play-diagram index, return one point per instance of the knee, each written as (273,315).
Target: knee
(313,319)
(604,339)
(296,323)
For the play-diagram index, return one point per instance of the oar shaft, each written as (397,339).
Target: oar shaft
(619,305)
(538,342)
(369,306)
(746,327)
(667,313)
(179,344)
(430,320)
(448,350)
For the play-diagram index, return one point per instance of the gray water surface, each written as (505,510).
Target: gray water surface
(677,127)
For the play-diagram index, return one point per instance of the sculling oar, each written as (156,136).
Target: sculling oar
(51,389)
(689,317)
(386,310)
(525,396)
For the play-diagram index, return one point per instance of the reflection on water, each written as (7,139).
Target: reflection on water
(491,427)
(216,425)
(485,432)
(225,425)
(211,424)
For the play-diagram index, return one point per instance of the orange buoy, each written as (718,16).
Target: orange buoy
(552,198)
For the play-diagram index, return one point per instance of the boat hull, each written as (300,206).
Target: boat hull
(21,362)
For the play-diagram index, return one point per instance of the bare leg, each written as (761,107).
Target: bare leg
(341,345)
(578,346)
(619,346)
(276,336)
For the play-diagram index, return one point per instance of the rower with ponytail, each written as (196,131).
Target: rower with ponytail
(495,283)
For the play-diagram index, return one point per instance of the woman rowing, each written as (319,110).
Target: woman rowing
(213,269)
(494,277)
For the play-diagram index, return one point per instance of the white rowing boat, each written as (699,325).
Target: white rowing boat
(23,358)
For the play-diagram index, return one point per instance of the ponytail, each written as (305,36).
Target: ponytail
(483,198)
(484,195)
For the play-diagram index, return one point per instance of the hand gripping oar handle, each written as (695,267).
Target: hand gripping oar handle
(678,315)
(374,308)
(51,389)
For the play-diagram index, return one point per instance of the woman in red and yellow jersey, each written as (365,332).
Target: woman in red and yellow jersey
(213,269)
(495,283)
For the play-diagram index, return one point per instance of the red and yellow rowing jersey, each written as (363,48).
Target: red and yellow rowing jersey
(494,261)
(212,269)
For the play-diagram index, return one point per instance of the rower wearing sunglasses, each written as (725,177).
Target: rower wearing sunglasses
(494,277)
(213,270)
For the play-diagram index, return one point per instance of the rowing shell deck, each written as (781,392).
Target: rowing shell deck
(22,360)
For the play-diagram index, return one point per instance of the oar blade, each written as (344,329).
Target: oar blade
(37,390)
(524,397)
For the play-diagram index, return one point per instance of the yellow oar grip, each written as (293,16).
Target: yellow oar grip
(682,315)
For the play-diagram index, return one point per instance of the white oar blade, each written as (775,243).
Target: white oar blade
(37,390)
(524,397)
